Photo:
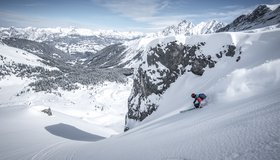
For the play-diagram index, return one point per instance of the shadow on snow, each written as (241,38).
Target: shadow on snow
(71,132)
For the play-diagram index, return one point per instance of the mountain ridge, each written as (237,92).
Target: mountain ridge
(188,28)
(262,16)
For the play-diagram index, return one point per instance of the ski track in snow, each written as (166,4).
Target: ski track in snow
(43,154)
(61,151)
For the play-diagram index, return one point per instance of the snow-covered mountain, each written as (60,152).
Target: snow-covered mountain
(48,34)
(11,56)
(129,54)
(126,55)
(262,16)
(188,28)
(71,40)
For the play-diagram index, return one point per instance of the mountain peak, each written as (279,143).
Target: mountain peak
(262,16)
(188,28)
(185,23)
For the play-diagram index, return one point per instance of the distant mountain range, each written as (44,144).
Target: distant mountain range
(188,28)
(71,40)
(48,34)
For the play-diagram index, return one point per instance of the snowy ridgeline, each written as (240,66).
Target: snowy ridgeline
(188,28)
(44,34)
(241,120)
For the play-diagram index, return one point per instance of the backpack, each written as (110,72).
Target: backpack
(202,96)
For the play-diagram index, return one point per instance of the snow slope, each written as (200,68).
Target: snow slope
(28,134)
(14,55)
(241,120)
(103,105)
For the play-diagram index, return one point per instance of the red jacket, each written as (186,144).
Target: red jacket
(199,99)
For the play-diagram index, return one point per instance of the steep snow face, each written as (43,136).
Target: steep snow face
(262,16)
(188,28)
(212,56)
(247,82)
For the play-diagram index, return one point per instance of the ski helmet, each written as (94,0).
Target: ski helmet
(193,95)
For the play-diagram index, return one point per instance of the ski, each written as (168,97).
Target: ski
(187,110)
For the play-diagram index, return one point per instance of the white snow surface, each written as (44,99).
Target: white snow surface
(103,105)
(273,6)
(240,121)
(15,55)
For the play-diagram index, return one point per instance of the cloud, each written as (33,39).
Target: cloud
(159,14)
(231,7)
(229,14)
(9,18)
(148,12)
(134,8)
(35,4)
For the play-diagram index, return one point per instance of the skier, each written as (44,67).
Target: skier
(198,100)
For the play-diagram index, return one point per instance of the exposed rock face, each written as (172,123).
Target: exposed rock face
(262,16)
(47,111)
(162,67)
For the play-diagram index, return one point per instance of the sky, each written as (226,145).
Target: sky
(121,15)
